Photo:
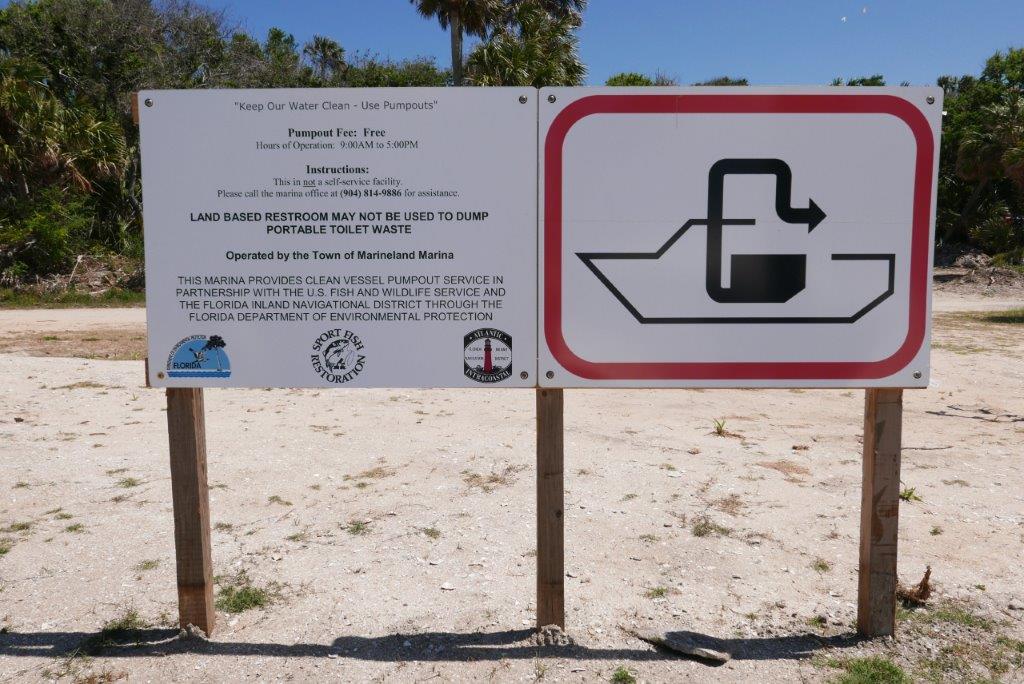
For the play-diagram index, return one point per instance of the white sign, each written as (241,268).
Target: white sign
(722,237)
(341,238)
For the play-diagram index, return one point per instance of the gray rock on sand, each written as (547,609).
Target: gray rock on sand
(674,641)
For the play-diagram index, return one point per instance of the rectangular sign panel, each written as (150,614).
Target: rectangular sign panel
(736,237)
(341,237)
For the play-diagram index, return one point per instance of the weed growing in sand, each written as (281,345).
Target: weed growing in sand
(818,621)
(239,594)
(23,526)
(117,471)
(704,527)
(909,494)
(145,565)
(656,592)
(223,527)
(75,528)
(629,497)
(20,485)
(431,532)
(719,426)
(649,538)
(112,633)
(358,527)
(63,516)
(489,482)
(275,499)
(297,537)
(239,599)
(622,676)
(874,670)
(128,482)
(5,546)
(820,565)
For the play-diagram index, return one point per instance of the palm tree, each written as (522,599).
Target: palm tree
(216,343)
(326,55)
(44,143)
(994,150)
(534,47)
(460,17)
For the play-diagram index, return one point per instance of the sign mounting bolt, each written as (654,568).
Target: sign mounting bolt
(930,99)
(549,375)
(160,375)
(524,375)
(917,375)
(148,102)
(551,98)
(522,99)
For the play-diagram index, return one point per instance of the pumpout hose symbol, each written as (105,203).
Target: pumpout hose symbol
(754,278)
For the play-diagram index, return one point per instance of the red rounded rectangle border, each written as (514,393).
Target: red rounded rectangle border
(737,104)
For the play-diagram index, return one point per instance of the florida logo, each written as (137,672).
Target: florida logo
(487,355)
(199,356)
(338,356)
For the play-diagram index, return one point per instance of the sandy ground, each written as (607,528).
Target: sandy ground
(393,530)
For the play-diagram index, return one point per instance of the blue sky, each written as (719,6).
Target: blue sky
(767,41)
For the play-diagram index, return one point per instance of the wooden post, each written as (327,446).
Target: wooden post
(879,512)
(186,426)
(550,503)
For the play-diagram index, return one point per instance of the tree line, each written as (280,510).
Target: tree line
(69,160)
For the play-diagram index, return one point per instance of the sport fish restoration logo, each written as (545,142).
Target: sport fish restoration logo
(337,356)
(199,356)
(487,355)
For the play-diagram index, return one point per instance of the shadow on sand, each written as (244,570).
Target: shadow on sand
(424,646)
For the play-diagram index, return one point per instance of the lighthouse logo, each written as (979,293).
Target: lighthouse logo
(487,355)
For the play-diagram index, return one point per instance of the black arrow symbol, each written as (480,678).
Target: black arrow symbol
(812,215)
(757,278)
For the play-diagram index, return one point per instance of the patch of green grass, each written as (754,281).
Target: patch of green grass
(145,565)
(622,676)
(240,594)
(821,565)
(76,528)
(909,494)
(818,621)
(431,532)
(114,297)
(23,526)
(719,426)
(1009,317)
(1015,645)
(704,527)
(874,670)
(958,615)
(275,499)
(656,592)
(128,482)
(358,527)
(113,632)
